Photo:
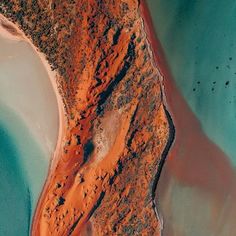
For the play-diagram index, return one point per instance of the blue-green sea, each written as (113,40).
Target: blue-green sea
(198,38)
(22,172)
(28,134)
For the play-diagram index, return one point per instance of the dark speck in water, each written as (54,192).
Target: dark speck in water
(230,58)
(214,82)
(198,82)
(227,83)
(194,89)
(217,67)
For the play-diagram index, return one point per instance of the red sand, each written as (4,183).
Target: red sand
(98,168)
(188,161)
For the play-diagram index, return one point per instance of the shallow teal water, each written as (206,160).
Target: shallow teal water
(14,197)
(22,173)
(28,134)
(198,38)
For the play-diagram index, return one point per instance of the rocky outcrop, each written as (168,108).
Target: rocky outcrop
(116,128)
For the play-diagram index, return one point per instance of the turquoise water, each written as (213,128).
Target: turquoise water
(28,134)
(22,173)
(198,38)
(197,188)
(15,199)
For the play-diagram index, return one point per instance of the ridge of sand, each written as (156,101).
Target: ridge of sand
(123,88)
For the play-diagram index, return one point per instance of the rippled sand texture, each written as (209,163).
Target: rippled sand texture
(116,128)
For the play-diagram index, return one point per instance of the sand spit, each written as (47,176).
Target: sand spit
(8,31)
(116,128)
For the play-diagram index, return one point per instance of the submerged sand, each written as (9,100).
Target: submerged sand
(28,90)
(31,94)
(197,174)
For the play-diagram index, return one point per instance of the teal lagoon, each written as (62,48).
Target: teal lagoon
(28,134)
(197,187)
(23,169)
(198,38)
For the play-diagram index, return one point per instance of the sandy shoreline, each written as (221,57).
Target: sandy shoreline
(160,64)
(173,101)
(58,149)
(19,35)
(158,55)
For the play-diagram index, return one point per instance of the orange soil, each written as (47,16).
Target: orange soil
(116,128)
(87,173)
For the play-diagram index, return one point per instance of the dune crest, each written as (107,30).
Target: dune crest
(115,130)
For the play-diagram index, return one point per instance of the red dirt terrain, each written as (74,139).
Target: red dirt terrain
(116,130)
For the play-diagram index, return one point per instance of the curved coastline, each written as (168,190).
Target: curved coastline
(175,105)
(6,29)
(53,76)
(148,28)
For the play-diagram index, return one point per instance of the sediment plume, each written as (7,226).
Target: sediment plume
(194,161)
(115,130)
